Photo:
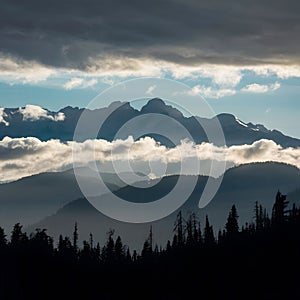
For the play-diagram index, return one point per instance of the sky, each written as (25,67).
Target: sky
(242,57)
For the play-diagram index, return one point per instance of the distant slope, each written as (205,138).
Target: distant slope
(241,186)
(294,197)
(27,199)
(116,114)
(33,198)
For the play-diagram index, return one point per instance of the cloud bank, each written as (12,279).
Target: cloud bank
(20,157)
(14,70)
(219,40)
(107,69)
(75,83)
(3,115)
(34,113)
(260,88)
(211,31)
(209,92)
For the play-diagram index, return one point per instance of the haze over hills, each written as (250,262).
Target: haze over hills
(30,199)
(294,196)
(237,188)
(61,125)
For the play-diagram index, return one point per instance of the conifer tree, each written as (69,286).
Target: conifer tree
(209,238)
(128,255)
(17,235)
(168,247)
(3,240)
(279,212)
(178,228)
(109,249)
(75,238)
(119,249)
(232,226)
(148,248)
(134,256)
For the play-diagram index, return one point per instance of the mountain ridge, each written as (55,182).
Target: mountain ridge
(236,132)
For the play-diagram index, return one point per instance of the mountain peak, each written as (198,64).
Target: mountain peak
(156,100)
(157,105)
(226,119)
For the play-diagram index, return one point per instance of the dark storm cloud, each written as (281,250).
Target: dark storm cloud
(68,33)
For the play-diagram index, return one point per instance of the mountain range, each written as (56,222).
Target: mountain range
(236,132)
(55,201)
(32,198)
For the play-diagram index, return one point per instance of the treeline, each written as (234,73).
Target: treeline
(258,258)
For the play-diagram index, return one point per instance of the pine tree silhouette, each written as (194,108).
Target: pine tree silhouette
(75,238)
(279,212)
(3,240)
(119,249)
(178,228)
(209,238)
(17,236)
(232,226)
(108,252)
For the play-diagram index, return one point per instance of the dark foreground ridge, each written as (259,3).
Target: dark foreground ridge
(261,260)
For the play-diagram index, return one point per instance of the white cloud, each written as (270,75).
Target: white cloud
(260,88)
(221,75)
(27,156)
(151,89)
(268,110)
(280,71)
(79,83)
(2,116)
(209,92)
(17,71)
(33,113)
(122,67)
(111,68)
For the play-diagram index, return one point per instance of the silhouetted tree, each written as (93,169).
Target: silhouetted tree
(209,238)
(232,226)
(42,241)
(86,253)
(279,212)
(17,236)
(220,237)
(175,241)
(147,248)
(91,241)
(65,248)
(119,249)
(168,247)
(75,238)
(293,216)
(178,228)
(98,252)
(258,216)
(134,256)
(108,251)
(128,255)
(192,230)
(3,240)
